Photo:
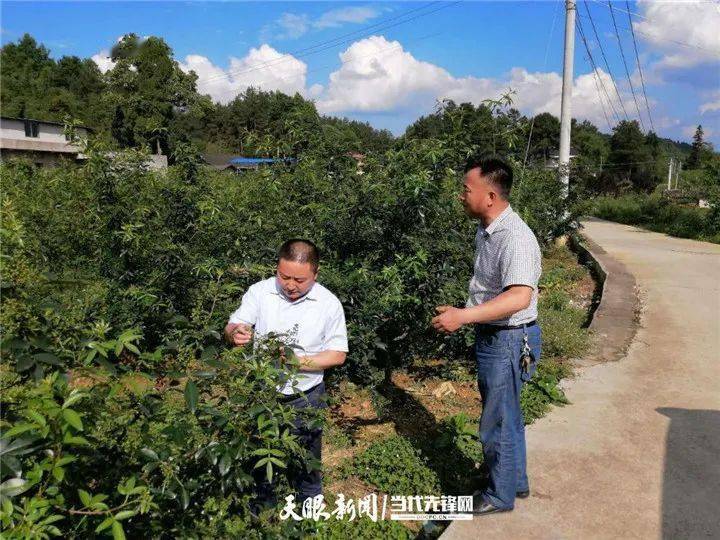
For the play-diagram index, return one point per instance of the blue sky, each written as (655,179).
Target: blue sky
(388,62)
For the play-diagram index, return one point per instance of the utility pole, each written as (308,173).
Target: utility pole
(670,174)
(565,106)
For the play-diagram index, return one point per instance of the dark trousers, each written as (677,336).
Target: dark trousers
(305,483)
(502,428)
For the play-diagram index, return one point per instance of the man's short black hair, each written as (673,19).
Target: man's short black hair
(300,250)
(494,170)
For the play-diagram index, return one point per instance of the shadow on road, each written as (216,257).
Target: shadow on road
(691,483)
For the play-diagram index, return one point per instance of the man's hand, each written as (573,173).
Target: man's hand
(239,334)
(449,320)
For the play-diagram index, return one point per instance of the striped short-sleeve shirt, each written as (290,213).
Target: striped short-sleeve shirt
(507,253)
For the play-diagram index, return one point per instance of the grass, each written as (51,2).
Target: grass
(395,466)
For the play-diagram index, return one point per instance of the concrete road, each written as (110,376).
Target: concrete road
(637,453)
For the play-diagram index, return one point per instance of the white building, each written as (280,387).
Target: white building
(44,143)
(40,141)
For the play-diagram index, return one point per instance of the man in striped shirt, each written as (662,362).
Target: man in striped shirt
(502,305)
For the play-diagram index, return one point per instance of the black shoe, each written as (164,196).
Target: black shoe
(480,507)
(519,494)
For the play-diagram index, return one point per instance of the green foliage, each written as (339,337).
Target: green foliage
(461,431)
(701,152)
(42,450)
(538,197)
(562,325)
(542,390)
(363,529)
(145,88)
(456,453)
(36,86)
(171,450)
(545,137)
(117,281)
(396,467)
(630,158)
(661,215)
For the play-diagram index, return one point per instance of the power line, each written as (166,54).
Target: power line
(340,40)
(293,75)
(607,166)
(309,50)
(595,73)
(607,64)
(597,87)
(683,43)
(627,71)
(637,58)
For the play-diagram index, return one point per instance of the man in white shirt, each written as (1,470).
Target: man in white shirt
(294,304)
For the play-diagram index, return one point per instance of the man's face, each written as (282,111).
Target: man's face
(478,195)
(295,278)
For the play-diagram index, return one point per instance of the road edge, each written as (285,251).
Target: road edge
(615,320)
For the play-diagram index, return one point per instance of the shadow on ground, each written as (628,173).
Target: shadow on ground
(691,483)
(457,473)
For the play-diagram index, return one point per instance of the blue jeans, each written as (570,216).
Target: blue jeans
(502,428)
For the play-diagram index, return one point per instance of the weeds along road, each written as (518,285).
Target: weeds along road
(637,453)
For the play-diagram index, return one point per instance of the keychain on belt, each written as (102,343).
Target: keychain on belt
(526,356)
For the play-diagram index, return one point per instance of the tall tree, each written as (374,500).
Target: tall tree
(696,151)
(146,91)
(25,68)
(545,140)
(631,163)
(36,86)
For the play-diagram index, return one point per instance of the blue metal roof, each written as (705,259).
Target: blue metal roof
(258,161)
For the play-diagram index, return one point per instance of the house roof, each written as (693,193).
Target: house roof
(225,161)
(35,145)
(51,122)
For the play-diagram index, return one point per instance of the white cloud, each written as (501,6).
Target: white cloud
(293,25)
(694,23)
(713,104)
(665,122)
(103,61)
(338,17)
(263,67)
(380,76)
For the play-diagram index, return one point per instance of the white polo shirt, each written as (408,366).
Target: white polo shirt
(315,323)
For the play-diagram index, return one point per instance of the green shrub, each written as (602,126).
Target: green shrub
(555,300)
(461,432)
(396,467)
(456,453)
(542,390)
(563,334)
(363,529)
(659,214)
(110,265)
(538,197)
(89,459)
